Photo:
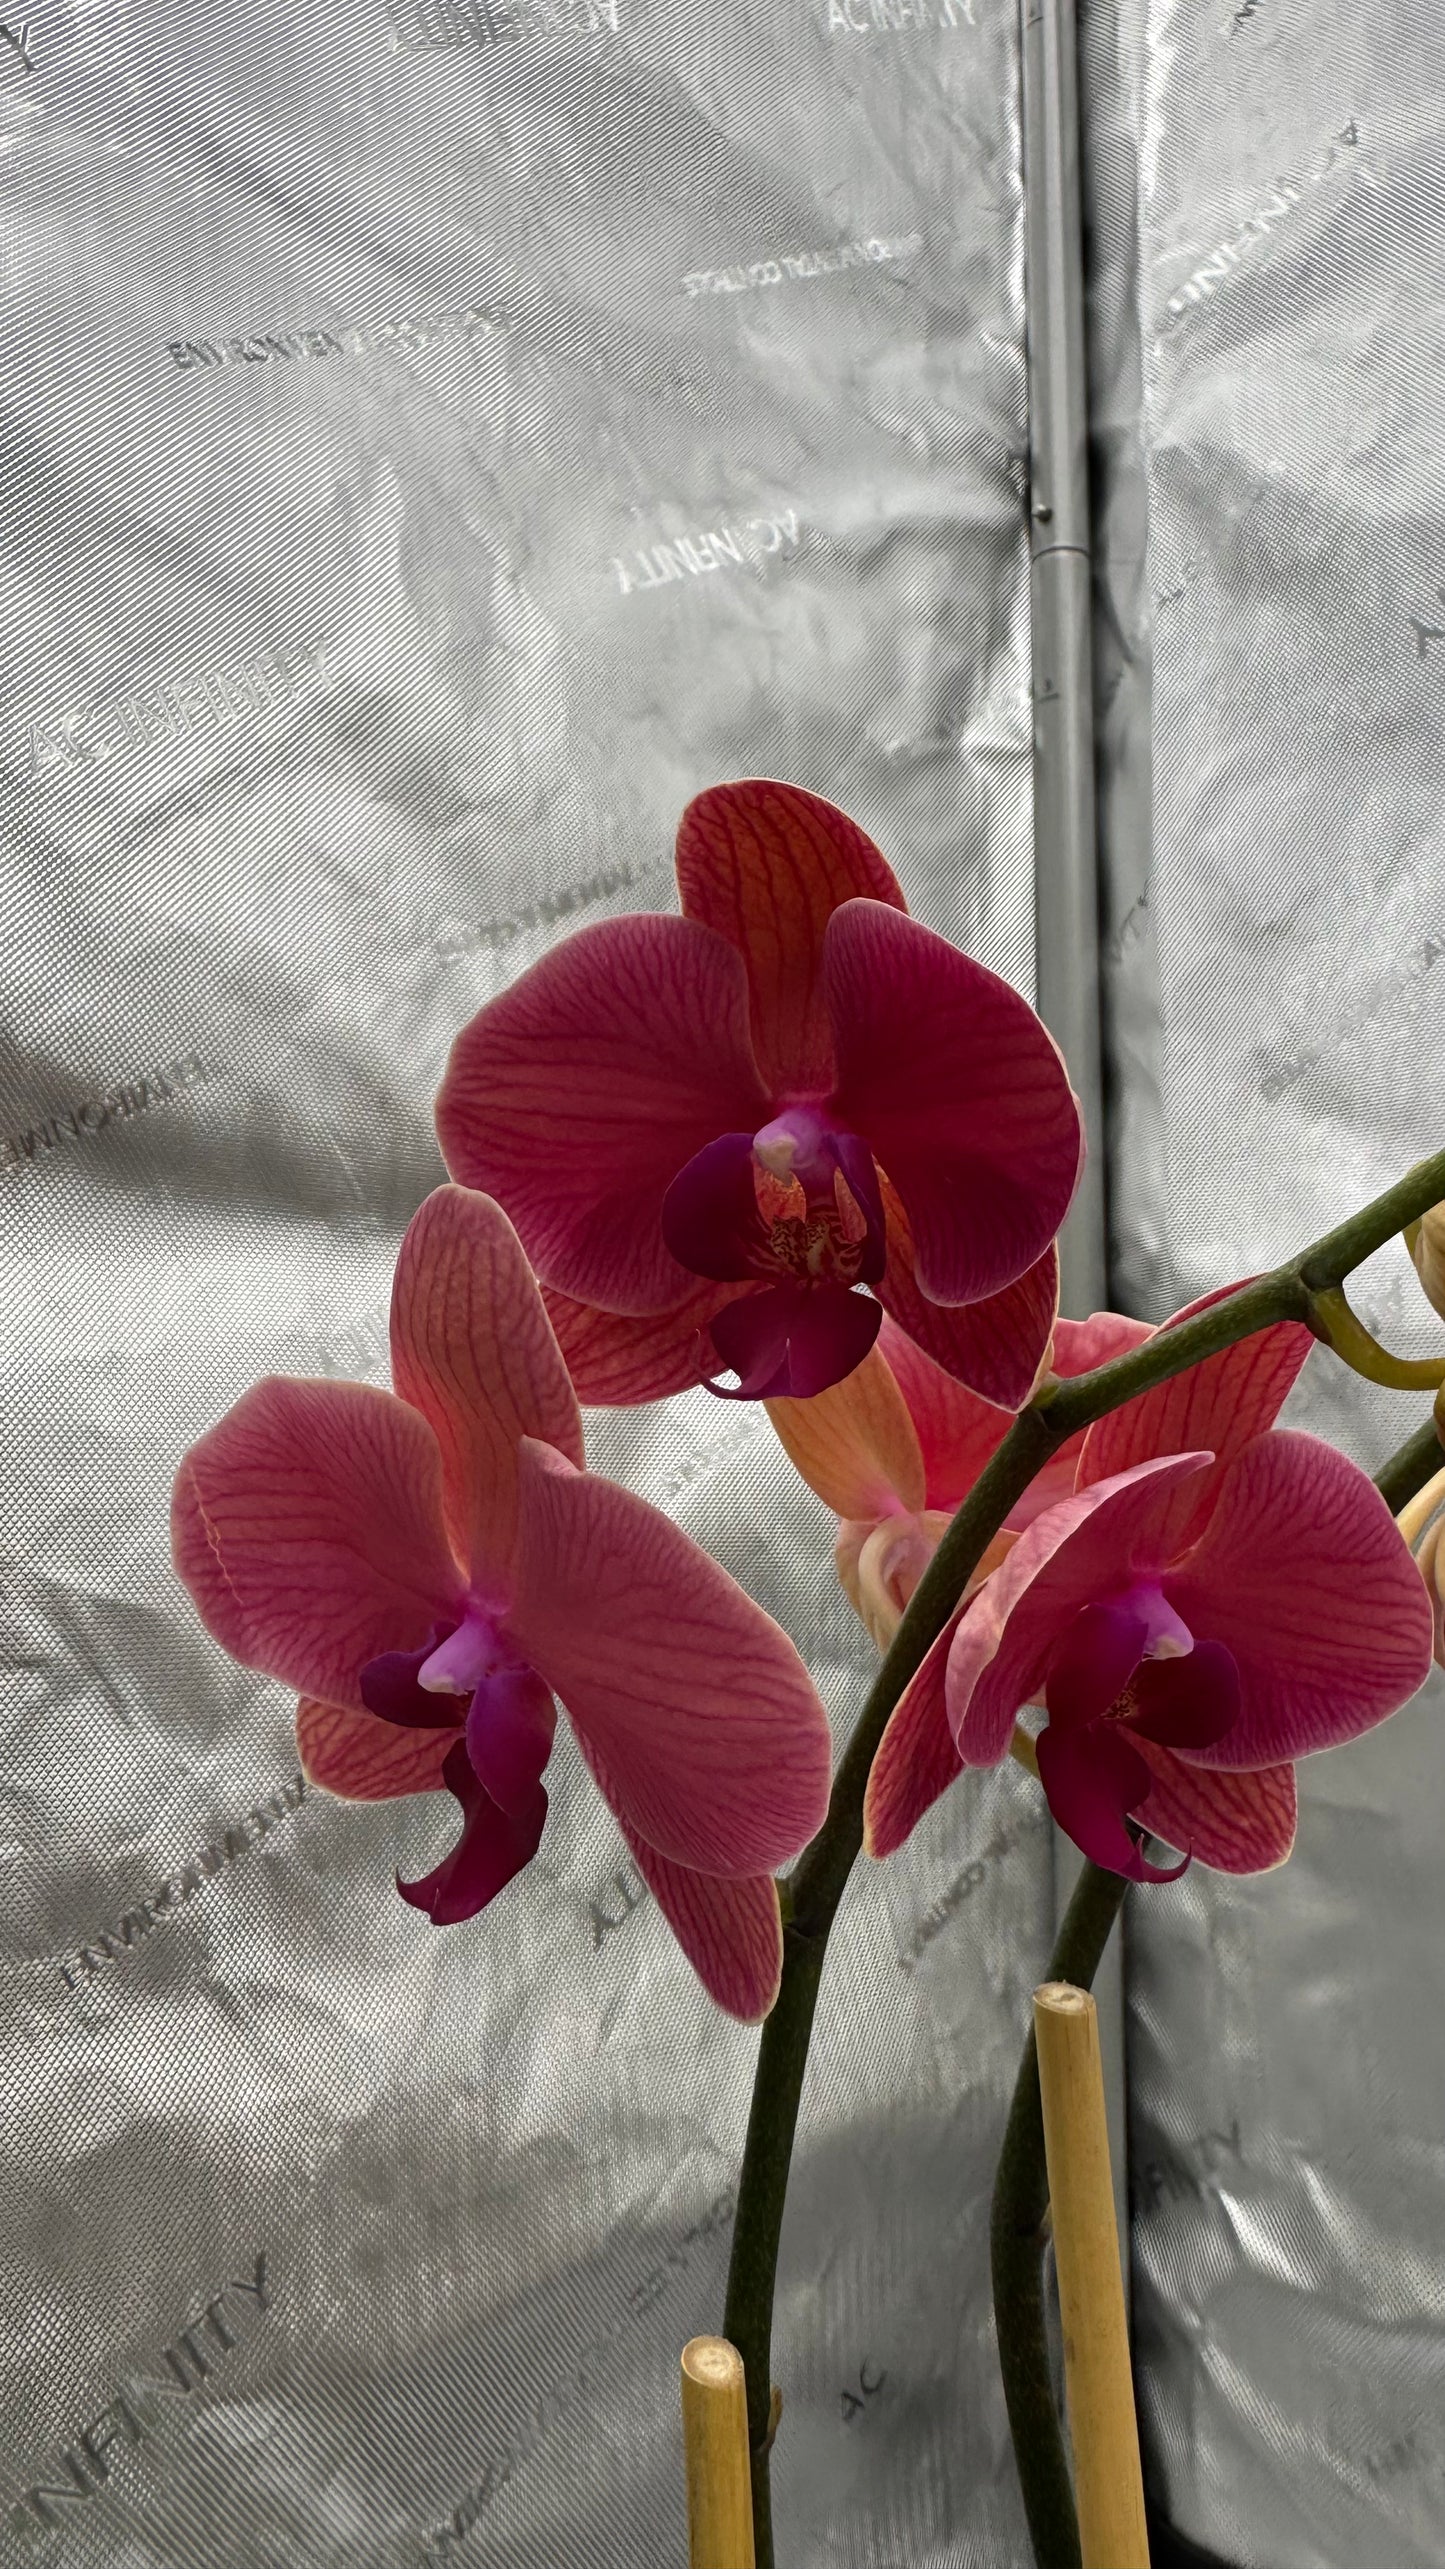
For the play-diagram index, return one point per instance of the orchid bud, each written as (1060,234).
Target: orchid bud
(1425,1241)
(1422,1524)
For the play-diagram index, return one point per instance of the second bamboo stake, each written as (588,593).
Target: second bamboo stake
(1102,2426)
(715,2439)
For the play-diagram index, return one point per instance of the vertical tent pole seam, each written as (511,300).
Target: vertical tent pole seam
(1066,882)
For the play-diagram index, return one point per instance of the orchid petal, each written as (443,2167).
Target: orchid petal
(510,1728)
(960,1092)
(1232,1823)
(1048,1487)
(576,1097)
(766,865)
(1221,1403)
(1086,1548)
(1187,1703)
(731,1931)
(1094,1777)
(790,1342)
(616,1359)
(916,1759)
(996,1346)
(1422,1525)
(307,1526)
(959,1432)
(698,1705)
(880,1566)
(365,1760)
(855,1444)
(1078,1347)
(492,1850)
(473,1350)
(1303,1575)
(1081,1345)
(956,1431)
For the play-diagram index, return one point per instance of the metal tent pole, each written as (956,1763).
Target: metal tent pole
(1066,895)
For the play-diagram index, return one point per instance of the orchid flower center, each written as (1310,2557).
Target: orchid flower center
(467,1676)
(1128,1668)
(797,1201)
(817,1230)
(795,1211)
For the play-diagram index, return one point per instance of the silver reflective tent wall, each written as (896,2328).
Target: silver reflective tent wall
(439,437)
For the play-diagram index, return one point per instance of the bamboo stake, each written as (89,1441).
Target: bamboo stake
(1102,2426)
(715,2440)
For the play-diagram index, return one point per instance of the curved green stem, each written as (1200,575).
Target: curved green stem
(1057,1410)
(1417,1461)
(1342,1329)
(811,1896)
(777,2092)
(1016,2246)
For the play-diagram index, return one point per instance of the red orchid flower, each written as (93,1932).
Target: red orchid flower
(710,1130)
(897,1447)
(1216,1598)
(429,1567)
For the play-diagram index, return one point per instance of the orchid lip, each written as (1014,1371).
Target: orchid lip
(1098,1654)
(459,1664)
(388,1686)
(1128,1663)
(503,1710)
(789,1342)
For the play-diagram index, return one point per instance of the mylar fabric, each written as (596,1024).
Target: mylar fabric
(1267,208)
(442,436)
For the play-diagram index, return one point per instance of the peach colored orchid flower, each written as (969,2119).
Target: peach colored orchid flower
(1217,1598)
(712,1130)
(1422,1524)
(896,1448)
(428,1567)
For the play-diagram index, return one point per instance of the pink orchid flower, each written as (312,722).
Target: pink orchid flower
(429,1567)
(712,1131)
(896,1448)
(1216,1598)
